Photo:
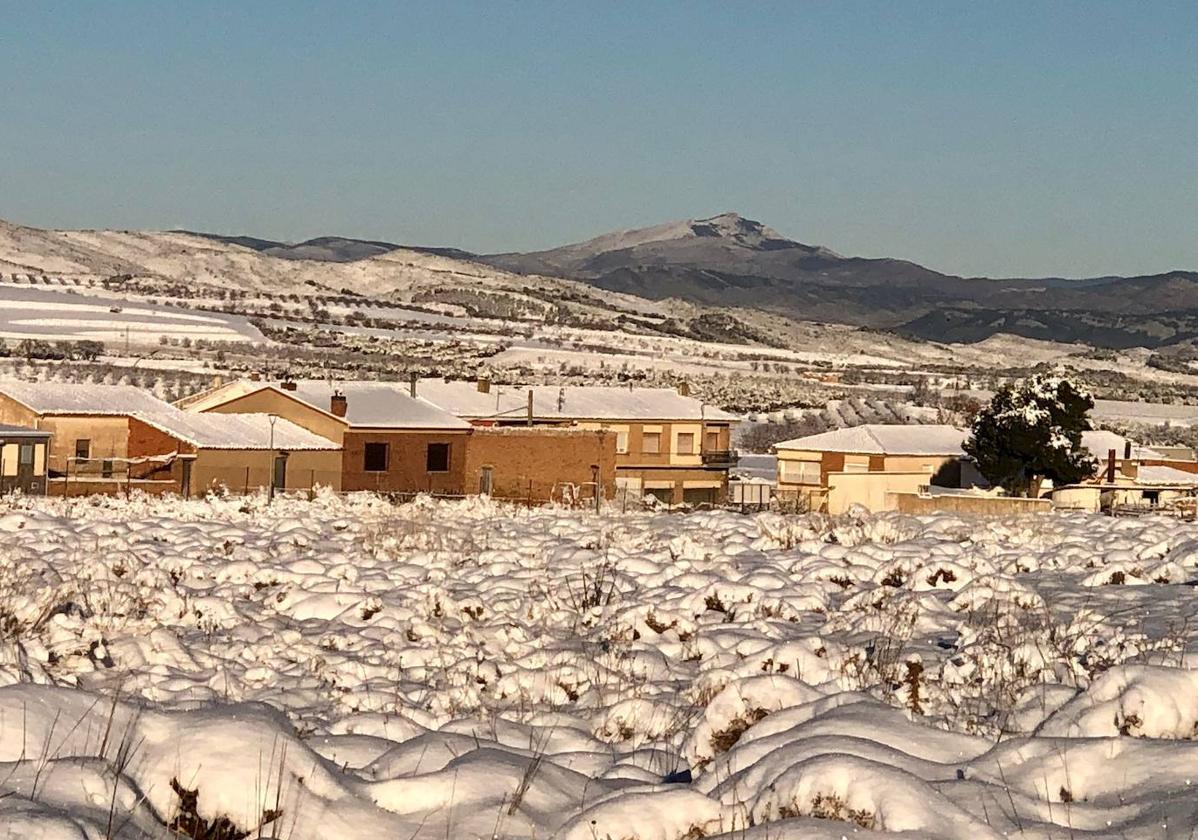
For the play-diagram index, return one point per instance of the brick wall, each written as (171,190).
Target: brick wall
(146,440)
(540,462)
(406,471)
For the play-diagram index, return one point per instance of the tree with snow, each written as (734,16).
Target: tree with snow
(1032,431)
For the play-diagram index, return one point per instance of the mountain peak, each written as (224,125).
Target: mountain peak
(737,228)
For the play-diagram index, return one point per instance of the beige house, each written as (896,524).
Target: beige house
(668,444)
(118,438)
(868,465)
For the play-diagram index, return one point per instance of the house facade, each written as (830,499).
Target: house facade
(113,438)
(867,465)
(667,444)
(23,456)
(390,442)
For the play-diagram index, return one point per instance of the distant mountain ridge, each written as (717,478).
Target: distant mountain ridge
(720,262)
(728,260)
(326,248)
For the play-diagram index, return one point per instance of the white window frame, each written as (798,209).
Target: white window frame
(808,473)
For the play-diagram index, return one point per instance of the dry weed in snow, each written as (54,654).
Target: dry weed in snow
(344,669)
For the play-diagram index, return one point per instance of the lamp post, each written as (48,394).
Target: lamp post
(271,466)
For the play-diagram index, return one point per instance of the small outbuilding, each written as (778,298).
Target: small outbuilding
(23,459)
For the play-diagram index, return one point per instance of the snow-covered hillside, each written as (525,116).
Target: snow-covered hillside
(346,669)
(195,260)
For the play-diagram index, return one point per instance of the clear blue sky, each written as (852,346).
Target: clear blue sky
(976,138)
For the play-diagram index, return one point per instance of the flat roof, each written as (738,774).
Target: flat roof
(10,431)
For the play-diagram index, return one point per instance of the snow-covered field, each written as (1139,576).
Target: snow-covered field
(65,316)
(345,669)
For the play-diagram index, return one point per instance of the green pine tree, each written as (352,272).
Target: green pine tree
(1032,431)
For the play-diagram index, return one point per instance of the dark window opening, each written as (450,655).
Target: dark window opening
(106,468)
(375,457)
(437,459)
(26,454)
(83,448)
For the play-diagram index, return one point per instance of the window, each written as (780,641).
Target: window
(856,466)
(83,448)
(486,480)
(686,443)
(622,443)
(26,454)
(800,472)
(651,443)
(375,457)
(713,441)
(106,468)
(700,495)
(437,457)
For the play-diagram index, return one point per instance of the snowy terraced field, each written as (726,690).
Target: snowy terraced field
(345,669)
(64,316)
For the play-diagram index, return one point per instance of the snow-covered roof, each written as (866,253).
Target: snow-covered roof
(567,402)
(234,431)
(880,439)
(220,394)
(1100,442)
(69,398)
(1166,476)
(375,405)
(206,431)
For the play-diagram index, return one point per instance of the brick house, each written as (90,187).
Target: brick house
(389,441)
(394,442)
(667,443)
(117,438)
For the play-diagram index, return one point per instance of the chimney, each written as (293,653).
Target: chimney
(287,385)
(255,377)
(684,389)
(1127,450)
(484,385)
(217,381)
(1110,466)
(338,404)
(413,378)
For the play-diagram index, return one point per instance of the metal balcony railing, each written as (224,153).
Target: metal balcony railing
(720,458)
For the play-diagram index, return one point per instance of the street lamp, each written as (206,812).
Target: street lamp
(272,419)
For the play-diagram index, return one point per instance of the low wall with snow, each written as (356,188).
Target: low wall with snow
(913,503)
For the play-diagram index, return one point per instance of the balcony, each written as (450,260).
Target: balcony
(721,458)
